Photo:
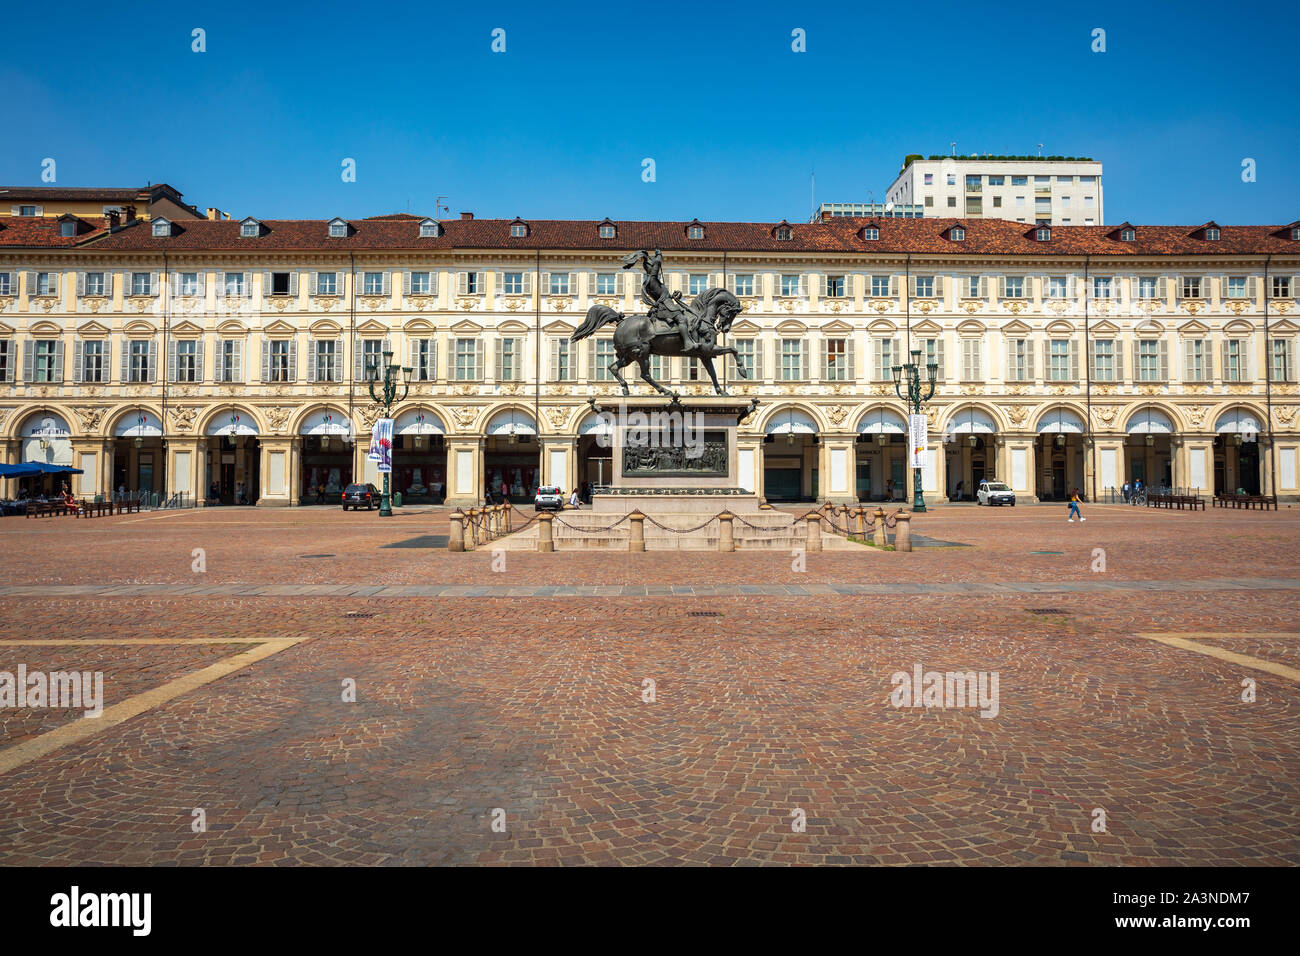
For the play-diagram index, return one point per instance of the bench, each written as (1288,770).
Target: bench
(1250,502)
(1176,501)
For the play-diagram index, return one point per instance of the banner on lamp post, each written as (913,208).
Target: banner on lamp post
(917,426)
(381,446)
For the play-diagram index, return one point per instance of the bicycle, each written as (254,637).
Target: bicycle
(1138,498)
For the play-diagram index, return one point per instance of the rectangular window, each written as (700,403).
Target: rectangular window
(138,361)
(692,369)
(187,361)
(1281,287)
(1236,287)
(279,355)
(1196,365)
(837,360)
(142,283)
(280,283)
(1191,287)
(606,284)
(512,283)
(1014,287)
(94,283)
(744,285)
(886,359)
(47,283)
(952,179)
(952,202)
(835,287)
(372,358)
(972,359)
(561,360)
(467,360)
(1059,355)
(792,360)
(1234,360)
(473,283)
(1148,360)
(747,356)
(973,183)
(46,356)
(972,287)
(880,287)
(6,360)
(932,352)
(327,359)
(696,285)
(1101,287)
(189,283)
(559,284)
(1019,368)
(373,283)
(1056,286)
(1103,360)
(92,361)
(1020,180)
(421,283)
(1283,360)
(1147,287)
(509,359)
(327,283)
(230,371)
(929,179)
(424,359)
(789,286)
(924,287)
(603,359)
(995,180)
(235,284)
(1065,202)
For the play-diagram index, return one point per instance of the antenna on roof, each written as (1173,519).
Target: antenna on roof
(954,148)
(812,194)
(1040,149)
(438,204)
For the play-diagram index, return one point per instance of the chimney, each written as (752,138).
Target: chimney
(214,214)
(114,219)
(467,215)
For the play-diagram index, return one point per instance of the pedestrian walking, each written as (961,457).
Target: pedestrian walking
(1074,507)
(1126,491)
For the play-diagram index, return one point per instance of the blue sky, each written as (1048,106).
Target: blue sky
(558,125)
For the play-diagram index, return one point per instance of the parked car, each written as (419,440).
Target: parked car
(360,496)
(995,493)
(549,498)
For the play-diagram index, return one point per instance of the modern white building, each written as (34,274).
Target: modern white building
(1032,190)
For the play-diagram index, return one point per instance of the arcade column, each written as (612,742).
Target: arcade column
(280,467)
(560,463)
(1016,466)
(185,467)
(94,456)
(465,471)
(749,463)
(837,468)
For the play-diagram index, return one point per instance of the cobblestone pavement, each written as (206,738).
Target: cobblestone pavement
(522,691)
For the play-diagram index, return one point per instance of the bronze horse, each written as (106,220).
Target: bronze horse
(661,333)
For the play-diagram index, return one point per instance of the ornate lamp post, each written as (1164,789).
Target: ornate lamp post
(395,377)
(914,400)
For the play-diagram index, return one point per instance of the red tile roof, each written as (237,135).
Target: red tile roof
(43,232)
(925,237)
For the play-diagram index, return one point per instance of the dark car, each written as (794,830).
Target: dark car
(360,496)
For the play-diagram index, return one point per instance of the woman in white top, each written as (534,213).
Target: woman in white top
(573,499)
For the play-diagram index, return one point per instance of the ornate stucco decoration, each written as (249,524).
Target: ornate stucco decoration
(87,417)
(837,414)
(183,417)
(373,303)
(420,302)
(277,417)
(514,304)
(370,414)
(1238,306)
(1193,307)
(1196,414)
(1016,306)
(1106,414)
(1017,414)
(94,303)
(1284,414)
(466,302)
(559,302)
(558,415)
(325,302)
(464,415)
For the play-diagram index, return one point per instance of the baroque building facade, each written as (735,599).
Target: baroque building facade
(227,360)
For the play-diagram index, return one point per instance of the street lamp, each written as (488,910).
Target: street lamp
(914,400)
(395,377)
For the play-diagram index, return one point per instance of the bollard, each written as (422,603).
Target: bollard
(860,514)
(545,542)
(456,541)
(726,532)
(508,511)
(813,521)
(764,506)
(636,540)
(496,520)
(903,536)
(878,536)
(470,533)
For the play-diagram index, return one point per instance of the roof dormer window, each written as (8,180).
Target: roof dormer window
(430,229)
(607,230)
(162,228)
(519,229)
(957,234)
(1128,234)
(67,226)
(1043,234)
(695,231)
(1212,234)
(250,228)
(870,233)
(338,228)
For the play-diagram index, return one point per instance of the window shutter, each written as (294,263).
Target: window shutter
(1252,288)
(1208,374)
(293,360)
(1119,360)
(1047,359)
(1162,287)
(1189,358)
(293,283)
(340,285)
(528,283)
(171,361)
(312,282)
(826,359)
(266,360)
(805,372)
(938,354)
(498,356)
(237,361)
(78,360)
(1137,361)
(152,375)
(81,284)
(202,283)
(108,284)
(1205,288)
(546,283)
(1164,360)
(126,361)
(31,283)
(385,282)
(893,287)
(406,282)
(849,358)
(553,373)
(1011,373)
(266,283)
(879,346)
(1029,359)
(478,359)
(938,287)
(462,283)
(198,362)
(1002,287)
(590,346)
(219,362)
(358,368)
(1074,360)
(58,360)
(911,287)
(311,358)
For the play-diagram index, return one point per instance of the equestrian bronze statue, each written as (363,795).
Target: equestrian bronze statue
(672,326)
